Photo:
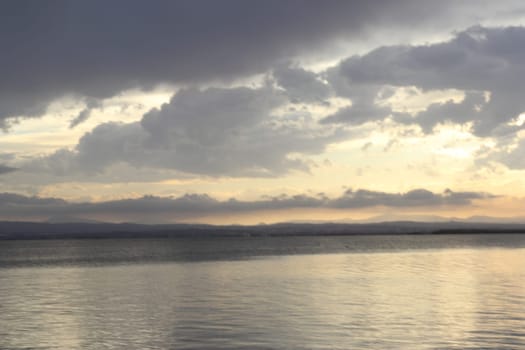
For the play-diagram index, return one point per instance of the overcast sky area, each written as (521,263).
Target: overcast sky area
(240,111)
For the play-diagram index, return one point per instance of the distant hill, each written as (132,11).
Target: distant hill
(71,220)
(36,230)
(429,219)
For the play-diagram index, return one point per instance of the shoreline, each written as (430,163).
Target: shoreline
(47,231)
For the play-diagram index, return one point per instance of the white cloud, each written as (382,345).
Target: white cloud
(479,61)
(215,132)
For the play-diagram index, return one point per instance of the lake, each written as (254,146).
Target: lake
(346,292)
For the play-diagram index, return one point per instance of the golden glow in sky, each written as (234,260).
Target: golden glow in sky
(415,117)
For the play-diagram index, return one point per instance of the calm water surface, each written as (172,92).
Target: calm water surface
(387,292)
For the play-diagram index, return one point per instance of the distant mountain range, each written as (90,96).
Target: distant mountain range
(58,230)
(430,219)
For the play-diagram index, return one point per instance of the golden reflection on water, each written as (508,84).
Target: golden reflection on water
(421,299)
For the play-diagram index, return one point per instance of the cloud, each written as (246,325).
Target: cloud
(302,85)
(450,111)
(13,201)
(513,158)
(200,205)
(84,114)
(366,146)
(486,63)
(96,49)
(358,113)
(4,169)
(214,132)
(414,198)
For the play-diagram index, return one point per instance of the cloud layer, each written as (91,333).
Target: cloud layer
(215,132)
(194,206)
(97,49)
(236,131)
(4,169)
(279,93)
(486,63)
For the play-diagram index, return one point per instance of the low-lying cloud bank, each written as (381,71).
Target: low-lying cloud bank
(18,207)
(4,169)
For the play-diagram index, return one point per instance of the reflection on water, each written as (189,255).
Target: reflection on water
(440,298)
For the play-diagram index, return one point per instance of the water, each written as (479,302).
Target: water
(385,292)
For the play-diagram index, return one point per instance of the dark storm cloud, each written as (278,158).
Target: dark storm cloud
(96,49)
(476,61)
(216,132)
(198,205)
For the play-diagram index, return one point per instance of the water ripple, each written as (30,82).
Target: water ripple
(418,298)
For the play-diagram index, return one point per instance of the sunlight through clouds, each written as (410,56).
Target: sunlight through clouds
(344,97)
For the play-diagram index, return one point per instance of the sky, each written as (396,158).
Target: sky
(246,112)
